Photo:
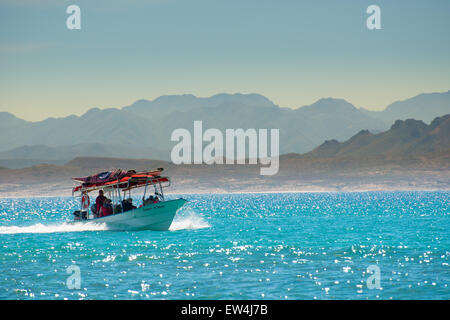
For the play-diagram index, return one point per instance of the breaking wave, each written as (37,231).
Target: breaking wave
(63,227)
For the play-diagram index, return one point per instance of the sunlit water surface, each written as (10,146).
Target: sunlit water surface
(235,246)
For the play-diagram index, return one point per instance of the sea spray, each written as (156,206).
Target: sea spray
(52,228)
(187,218)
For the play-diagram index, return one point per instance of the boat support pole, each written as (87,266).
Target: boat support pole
(162,192)
(145,190)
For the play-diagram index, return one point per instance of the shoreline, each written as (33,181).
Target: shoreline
(190,192)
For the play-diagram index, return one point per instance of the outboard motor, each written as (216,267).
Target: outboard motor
(80,215)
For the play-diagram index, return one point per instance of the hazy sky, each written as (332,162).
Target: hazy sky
(293,52)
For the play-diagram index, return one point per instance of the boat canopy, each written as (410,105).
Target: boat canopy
(120,179)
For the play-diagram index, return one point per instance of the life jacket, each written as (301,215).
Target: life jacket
(106,211)
(85,202)
(99,202)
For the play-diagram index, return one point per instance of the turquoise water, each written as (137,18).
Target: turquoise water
(235,246)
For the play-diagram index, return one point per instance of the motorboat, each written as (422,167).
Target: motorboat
(117,210)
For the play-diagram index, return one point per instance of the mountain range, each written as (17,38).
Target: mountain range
(143,129)
(425,107)
(405,138)
(410,155)
(408,144)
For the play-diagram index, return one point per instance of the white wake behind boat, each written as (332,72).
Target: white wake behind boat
(117,211)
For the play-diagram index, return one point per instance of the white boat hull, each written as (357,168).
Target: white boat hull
(155,216)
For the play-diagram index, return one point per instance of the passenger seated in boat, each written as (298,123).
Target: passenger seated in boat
(94,210)
(151,199)
(106,209)
(130,201)
(117,208)
(145,201)
(148,200)
(156,198)
(127,205)
(99,201)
